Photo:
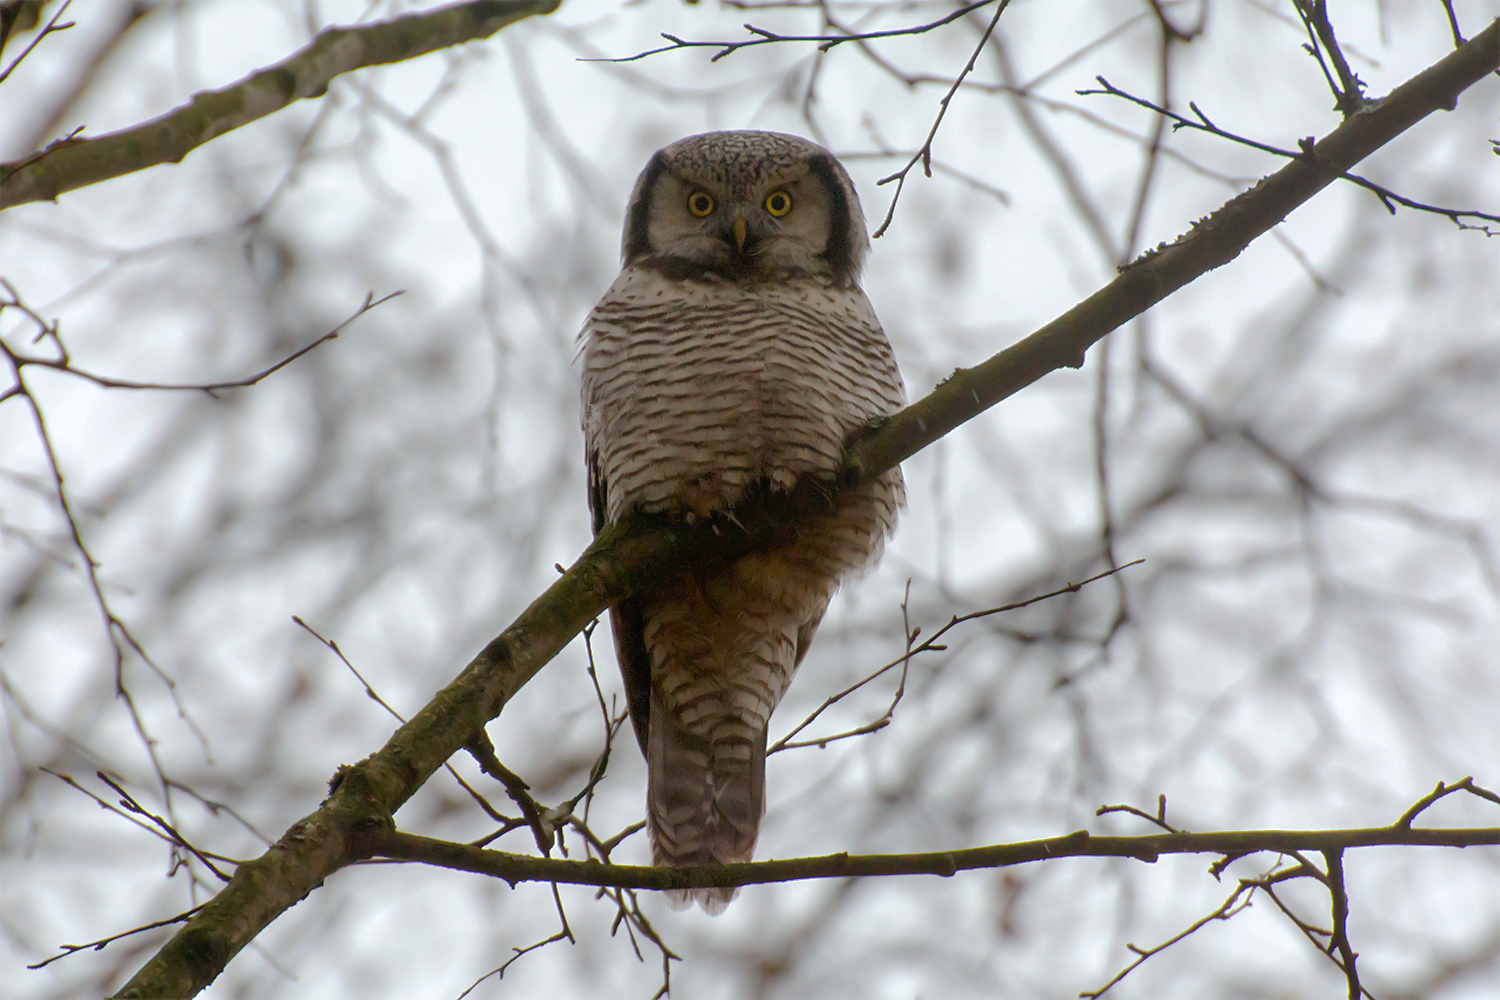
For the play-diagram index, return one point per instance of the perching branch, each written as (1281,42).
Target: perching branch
(73,163)
(630,556)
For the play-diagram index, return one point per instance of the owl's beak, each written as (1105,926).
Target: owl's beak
(739,233)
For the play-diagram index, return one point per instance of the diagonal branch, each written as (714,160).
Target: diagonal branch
(72,163)
(630,556)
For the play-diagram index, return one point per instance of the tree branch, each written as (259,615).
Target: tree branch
(629,556)
(764,37)
(518,868)
(72,163)
(1388,198)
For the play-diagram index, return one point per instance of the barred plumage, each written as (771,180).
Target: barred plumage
(735,348)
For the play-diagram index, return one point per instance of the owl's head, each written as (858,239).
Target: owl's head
(747,206)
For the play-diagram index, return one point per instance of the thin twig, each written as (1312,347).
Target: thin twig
(1160,819)
(383,842)
(1317,936)
(1348,90)
(128,802)
(924,154)
(64,364)
(374,696)
(1305,152)
(1231,907)
(70,949)
(120,637)
(565,934)
(930,645)
(1442,790)
(1458,36)
(52,27)
(764,37)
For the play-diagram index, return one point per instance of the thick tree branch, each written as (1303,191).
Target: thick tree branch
(74,163)
(630,556)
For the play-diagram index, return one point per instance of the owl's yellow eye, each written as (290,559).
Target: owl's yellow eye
(778,203)
(700,203)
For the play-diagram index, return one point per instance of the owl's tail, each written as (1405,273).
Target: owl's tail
(705,798)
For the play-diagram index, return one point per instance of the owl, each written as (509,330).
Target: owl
(735,353)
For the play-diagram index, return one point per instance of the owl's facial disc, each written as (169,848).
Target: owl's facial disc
(746,206)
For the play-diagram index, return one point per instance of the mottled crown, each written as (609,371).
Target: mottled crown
(739,160)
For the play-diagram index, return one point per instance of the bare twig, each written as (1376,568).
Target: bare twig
(1160,819)
(1442,790)
(128,802)
(1230,908)
(64,363)
(924,154)
(1458,35)
(120,637)
(122,640)
(516,868)
(609,845)
(930,645)
(824,42)
(543,829)
(1305,151)
(1348,89)
(564,934)
(612,724)
(374,696)
(1326,942)
(1317,936)
(51,27)
(99,945)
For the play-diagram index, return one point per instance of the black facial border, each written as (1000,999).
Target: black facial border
(638,235)
(840,251)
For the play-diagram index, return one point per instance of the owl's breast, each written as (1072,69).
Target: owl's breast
(694,390)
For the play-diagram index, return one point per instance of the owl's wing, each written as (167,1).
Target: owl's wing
(805,637)
(626,622)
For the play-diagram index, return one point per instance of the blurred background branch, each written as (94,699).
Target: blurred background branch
(73,162)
